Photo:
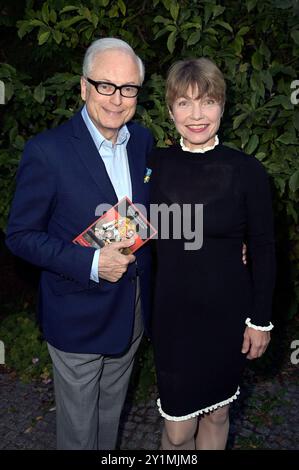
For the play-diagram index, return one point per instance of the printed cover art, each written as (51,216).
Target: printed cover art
(122,221)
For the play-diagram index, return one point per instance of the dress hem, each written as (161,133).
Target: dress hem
(196,413)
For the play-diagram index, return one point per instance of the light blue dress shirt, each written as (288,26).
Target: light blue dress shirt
(115,159)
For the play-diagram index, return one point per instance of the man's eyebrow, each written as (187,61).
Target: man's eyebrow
(109,81)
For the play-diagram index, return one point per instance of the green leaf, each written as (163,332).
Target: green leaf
(269,135)
(85,13)
(63,112)
(189,25)
(254,99)
(250,4)
(174,10)
(57,35)
(53,16)
(39,93)
(244,30)
(257,61)
(238,120)
(261,156)
(24,28)
(217,10)
(210,31)
(280,183)
(94,19)
(45,13)
(43,37)
(171,41)
(292,212)
(158,131)
(267,79)
(296,120)
(194,38)
(225,25)
(257,84)
(237,44)
(68,8)
(88,33)
(288,138)
(122,7)
(113,12)
(160,19)
(294,181)
(13,134)
(35,22)
(280,100)
(19,142)
(161,32)
(243,67)
(208,12)
(265,51)
(295,36)
(65,24)
(252,144)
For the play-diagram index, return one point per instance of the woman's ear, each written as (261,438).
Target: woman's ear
(170,114)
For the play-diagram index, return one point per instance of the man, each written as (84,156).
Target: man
(90,301)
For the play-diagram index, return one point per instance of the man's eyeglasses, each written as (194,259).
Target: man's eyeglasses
(108,89)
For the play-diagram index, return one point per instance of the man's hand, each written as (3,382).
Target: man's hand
(255,342)
(244,253)
(112,263)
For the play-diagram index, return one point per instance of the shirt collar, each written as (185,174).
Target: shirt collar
(99,140)
(199,150)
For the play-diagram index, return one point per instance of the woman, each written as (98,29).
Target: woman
(211,311)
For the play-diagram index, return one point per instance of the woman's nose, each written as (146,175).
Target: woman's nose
(197,111)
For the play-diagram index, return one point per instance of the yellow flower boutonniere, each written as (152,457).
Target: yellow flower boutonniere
(147,175)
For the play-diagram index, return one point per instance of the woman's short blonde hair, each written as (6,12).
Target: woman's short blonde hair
(201,74)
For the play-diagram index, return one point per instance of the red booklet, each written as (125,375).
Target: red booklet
(122,221)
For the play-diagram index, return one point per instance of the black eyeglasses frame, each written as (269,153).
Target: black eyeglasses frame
(120,88)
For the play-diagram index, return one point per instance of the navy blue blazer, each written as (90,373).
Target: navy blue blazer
(60,182)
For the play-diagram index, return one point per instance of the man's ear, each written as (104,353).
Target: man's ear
(83,88)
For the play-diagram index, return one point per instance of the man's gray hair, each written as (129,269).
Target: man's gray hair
(103,44)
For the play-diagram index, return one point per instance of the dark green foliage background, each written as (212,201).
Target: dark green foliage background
(255,43)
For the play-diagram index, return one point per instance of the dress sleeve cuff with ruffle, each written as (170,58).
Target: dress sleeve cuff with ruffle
(255,327)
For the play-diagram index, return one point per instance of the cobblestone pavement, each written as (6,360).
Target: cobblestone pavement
(266,416)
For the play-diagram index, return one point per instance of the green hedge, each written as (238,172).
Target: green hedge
(256,45)
(25,351)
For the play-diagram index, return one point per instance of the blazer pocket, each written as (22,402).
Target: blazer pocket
(63,287)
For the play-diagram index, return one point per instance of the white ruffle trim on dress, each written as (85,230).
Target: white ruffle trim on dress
(199,150)
(255,327)
(199,412)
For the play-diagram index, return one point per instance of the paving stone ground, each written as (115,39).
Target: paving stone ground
(266,416)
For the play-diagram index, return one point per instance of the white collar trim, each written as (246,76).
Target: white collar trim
(199,150)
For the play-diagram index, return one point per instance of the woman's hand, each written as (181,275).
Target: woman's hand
(255,342)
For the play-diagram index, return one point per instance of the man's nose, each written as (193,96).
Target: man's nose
(116,98)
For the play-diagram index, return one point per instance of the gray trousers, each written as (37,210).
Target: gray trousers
(90,390)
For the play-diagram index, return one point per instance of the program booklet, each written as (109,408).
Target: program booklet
(122,221)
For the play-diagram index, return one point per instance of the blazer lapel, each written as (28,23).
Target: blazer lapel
(85,148)
(135,170)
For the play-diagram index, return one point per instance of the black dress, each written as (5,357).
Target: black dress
(204,296)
